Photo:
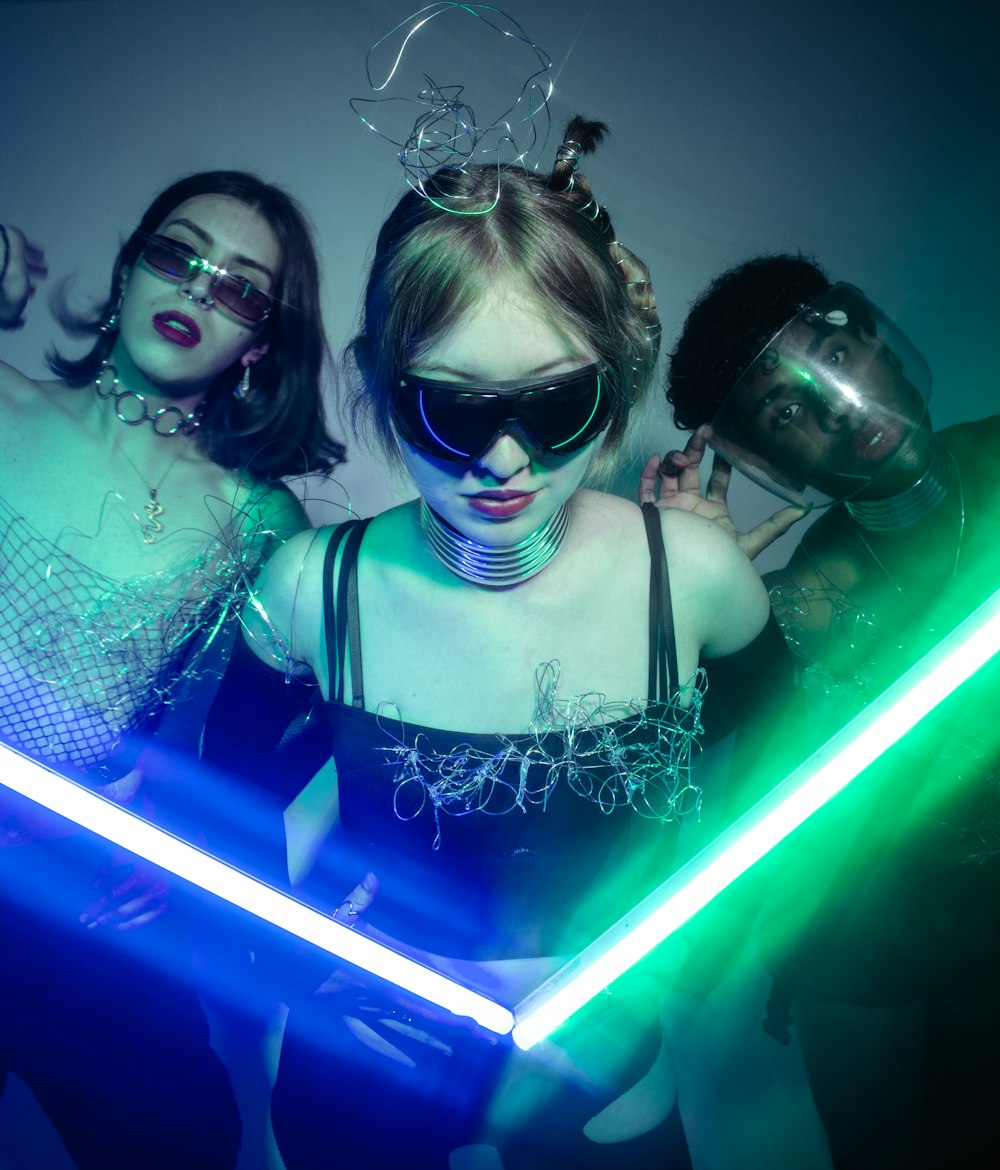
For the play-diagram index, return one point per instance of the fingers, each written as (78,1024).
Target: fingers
(405,1027)
(372,1033)
(678,475)
(718,481)
(767,532)
(146,906)
(696,446)
(136,921)
(647,480)
(123,790)
(376,1042)
(25,263)
(130,898)
(685,465)
(357,901)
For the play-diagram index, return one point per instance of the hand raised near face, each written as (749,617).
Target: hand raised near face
(678,478)
(21,264)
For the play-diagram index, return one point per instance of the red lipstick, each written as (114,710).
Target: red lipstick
(500,504)
(178,328)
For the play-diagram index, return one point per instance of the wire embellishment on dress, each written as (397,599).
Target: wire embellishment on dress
(611,753)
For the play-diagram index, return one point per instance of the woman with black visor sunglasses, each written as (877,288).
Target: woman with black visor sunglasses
(512,686)
(139,493)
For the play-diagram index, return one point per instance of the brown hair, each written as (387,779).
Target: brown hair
(438,254)
(280,429)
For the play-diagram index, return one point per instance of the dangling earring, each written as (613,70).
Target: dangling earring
(242,391)
(111,324)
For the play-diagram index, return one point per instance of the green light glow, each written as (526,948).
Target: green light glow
(827,772)
(672,904)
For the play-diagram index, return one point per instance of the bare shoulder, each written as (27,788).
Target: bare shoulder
(272,511)
(608,522)
(699,541)
(598,507)
(19,392)
(618,527)
(283,617)
(723,592)
(719,600)
(40,417)
(613,512)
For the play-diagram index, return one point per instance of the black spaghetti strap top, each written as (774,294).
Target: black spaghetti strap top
(343,628)
(498,846)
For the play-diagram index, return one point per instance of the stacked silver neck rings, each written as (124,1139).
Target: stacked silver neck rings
(913,504)
(493,567)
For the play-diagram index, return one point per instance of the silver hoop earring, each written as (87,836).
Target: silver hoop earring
(111,324)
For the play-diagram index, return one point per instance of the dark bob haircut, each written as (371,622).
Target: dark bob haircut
(487,226)
(280,429)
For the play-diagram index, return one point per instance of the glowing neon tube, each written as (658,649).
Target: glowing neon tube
(829,770)
(116,824)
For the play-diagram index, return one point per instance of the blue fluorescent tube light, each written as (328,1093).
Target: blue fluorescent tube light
(829,770)
(116,824)
(657,916)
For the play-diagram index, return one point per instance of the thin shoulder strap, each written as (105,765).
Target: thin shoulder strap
(341,621)
(663,673)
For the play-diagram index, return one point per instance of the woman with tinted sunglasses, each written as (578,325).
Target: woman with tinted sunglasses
(511,684)
(139,493)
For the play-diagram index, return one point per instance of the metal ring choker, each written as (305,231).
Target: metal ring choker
(186,423)
(494,567)
(914,503)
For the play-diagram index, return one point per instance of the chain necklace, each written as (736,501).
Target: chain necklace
(152,529)
(495,567)
(160,419)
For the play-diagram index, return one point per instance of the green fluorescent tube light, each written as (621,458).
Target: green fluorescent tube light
(116,824)
(829,770)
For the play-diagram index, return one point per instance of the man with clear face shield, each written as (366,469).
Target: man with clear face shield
(880,927)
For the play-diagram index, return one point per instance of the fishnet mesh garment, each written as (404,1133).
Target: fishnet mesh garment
(86,659)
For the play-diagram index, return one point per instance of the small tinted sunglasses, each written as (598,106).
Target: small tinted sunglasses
(235,294)
(459,423)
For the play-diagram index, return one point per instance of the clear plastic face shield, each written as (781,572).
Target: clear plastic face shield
(834,406)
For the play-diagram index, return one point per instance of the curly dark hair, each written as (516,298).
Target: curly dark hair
(280,429)
(438,256)
(729,325)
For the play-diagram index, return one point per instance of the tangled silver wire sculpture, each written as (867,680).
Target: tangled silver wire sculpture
(446,132)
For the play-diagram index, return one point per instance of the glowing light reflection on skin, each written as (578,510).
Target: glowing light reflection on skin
(788,805)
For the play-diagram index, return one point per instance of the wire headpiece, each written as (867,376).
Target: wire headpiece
(446,132)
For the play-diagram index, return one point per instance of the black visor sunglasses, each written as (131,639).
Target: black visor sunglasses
(235,294)
(459,422)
